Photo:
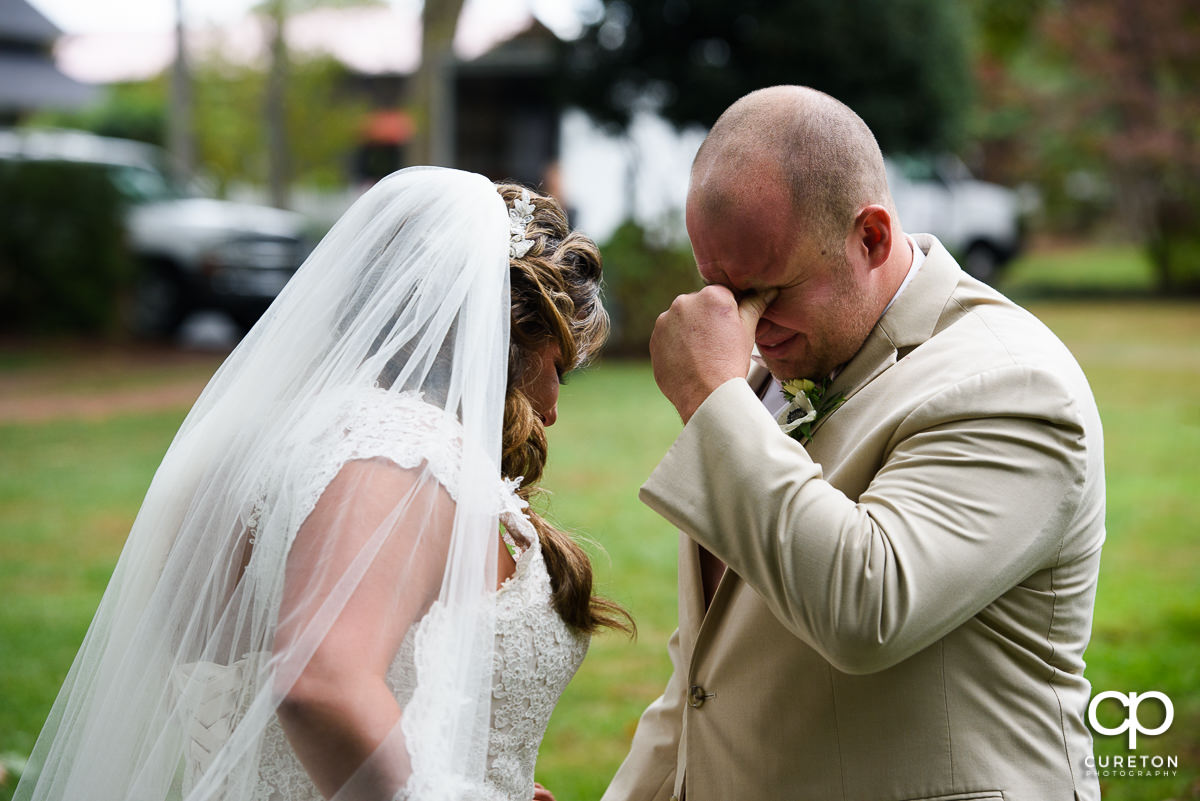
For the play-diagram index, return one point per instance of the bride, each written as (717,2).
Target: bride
(335,587)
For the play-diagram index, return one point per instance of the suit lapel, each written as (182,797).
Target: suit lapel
(691,589)
(708,621)
(915,315)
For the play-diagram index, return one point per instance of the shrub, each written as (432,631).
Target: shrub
(641,278)
(1174,241)
(63,259)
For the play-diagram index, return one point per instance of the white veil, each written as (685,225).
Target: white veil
(337,479)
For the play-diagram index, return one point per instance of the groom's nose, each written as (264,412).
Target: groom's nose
(766,329)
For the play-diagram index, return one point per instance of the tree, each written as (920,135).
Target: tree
(279,170)
(229,99)
(1097,101)
(901,64)
(125,110)
(1019,127)
(181,140)
(431,99)
(1137,65)
(277,90)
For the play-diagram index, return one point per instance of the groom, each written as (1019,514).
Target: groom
(896,608)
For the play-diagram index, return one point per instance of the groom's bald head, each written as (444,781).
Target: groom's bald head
(800,142)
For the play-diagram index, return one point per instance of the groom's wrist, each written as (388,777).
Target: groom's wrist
(697,396)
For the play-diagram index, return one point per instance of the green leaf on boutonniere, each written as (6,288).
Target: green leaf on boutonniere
(808,404)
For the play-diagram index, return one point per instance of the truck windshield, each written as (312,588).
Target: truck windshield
(144,185)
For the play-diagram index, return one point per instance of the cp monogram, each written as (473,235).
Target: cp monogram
(1131,724)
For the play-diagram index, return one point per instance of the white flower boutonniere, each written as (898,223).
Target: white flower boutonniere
(808,404)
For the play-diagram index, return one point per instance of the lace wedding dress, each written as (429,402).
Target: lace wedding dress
(535,654)
(327,517)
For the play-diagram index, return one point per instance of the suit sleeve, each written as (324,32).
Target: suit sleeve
(648,772)
(970,499)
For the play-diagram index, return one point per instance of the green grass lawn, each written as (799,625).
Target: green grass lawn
(68,493)
(1070,271)
(1143,360)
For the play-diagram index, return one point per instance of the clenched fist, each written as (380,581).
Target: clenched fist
(702,341)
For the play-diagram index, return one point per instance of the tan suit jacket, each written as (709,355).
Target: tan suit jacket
(909,598)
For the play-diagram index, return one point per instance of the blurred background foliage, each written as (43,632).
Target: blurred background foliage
(128,111)
(66,222)
(901,64)
(643,272)
(1093,105)
(228,120)
(1096,103)
(323,123)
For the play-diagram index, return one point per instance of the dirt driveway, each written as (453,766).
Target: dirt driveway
(84,381)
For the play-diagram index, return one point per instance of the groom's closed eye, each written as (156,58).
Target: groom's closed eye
(770,292)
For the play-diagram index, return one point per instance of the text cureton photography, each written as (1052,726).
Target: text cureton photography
(1131,764)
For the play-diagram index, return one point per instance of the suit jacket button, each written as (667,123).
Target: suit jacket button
(696,696)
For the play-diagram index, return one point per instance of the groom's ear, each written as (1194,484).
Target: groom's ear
(872,235)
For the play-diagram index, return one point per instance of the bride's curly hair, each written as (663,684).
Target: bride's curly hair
(555,290)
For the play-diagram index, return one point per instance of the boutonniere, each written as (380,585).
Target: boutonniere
(808,404)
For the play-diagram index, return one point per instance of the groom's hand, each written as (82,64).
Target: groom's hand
(702,341)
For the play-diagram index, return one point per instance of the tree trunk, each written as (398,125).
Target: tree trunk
(275,109)
(181,143)
(431,93)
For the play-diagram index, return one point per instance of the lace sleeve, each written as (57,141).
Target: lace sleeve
(403,429)
(407,431)
(349,426)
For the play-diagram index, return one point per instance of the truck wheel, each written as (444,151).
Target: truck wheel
(158,303)
(982,261)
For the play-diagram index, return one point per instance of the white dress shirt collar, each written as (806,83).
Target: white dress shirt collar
(918,258)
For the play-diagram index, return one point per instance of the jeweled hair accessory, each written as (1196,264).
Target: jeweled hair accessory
(519,216)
